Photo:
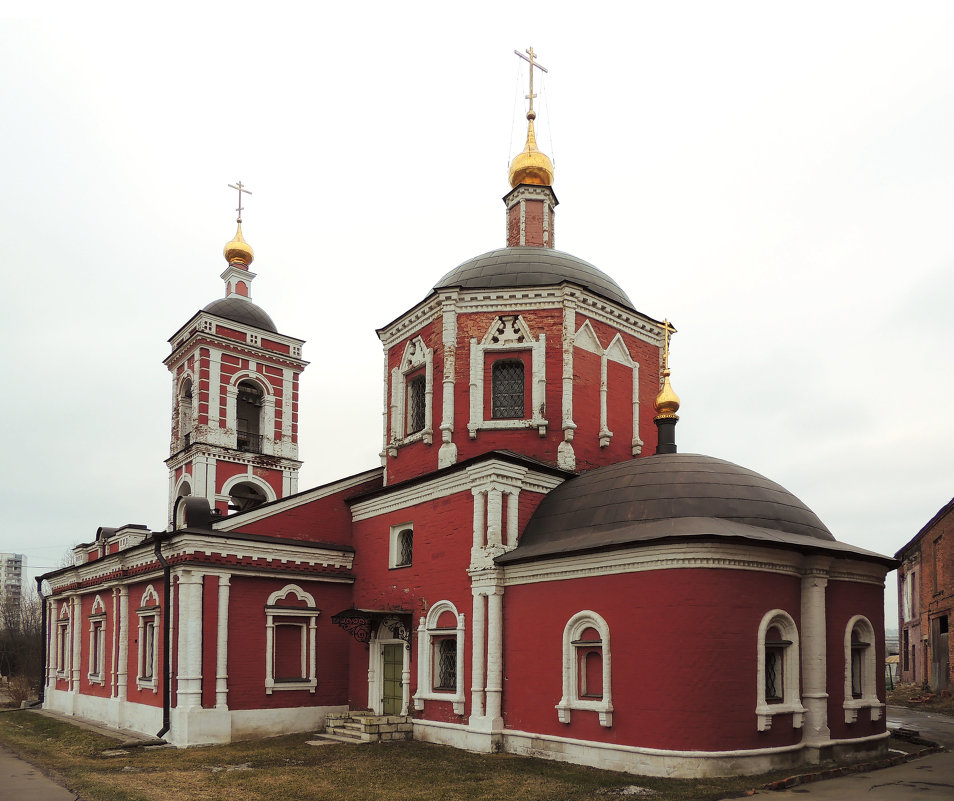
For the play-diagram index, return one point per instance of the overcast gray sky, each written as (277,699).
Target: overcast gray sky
(777,179)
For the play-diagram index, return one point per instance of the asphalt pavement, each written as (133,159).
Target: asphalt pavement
(20,781)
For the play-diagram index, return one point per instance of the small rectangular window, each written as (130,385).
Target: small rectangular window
(401,547)
(415,404)
(507,393)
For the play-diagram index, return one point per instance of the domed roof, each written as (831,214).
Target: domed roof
(240,310)
(670,496)
(532,266)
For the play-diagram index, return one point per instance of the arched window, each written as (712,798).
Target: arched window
(97,642)
(244,496)
(63,641)
(587,675)
(440,644)
(861,687)
(148,613)
(416,405)
(778,680)
(185,413)
(290,625)
(402,545)
(248,417)
(507,393)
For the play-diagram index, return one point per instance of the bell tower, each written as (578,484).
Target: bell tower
(234,396)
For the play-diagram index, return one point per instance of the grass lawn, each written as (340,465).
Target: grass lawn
(286,769)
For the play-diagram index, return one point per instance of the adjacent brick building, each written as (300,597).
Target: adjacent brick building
(532,568)
(926,602)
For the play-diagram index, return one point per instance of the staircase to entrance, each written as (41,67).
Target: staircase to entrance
(366,727)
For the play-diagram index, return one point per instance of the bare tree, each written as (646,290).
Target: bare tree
(21,645)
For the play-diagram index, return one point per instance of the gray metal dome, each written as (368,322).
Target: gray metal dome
(240,310)
(671,497)
(532,266)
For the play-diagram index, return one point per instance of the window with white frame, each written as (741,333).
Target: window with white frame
(97,642)
(290,630)
(861,689)
(412,392)
(416,408)
(147,677)
(507,389)
(777,670)
(63,642)
(440,642)
(587,674)
(401,549)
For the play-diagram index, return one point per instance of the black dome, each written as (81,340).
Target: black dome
(532,266)
(241,311)
(669,496)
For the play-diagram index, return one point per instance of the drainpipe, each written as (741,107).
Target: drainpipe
(39,591)
(166,641)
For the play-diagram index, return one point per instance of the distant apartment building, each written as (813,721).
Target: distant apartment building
(12,567)
(926,602)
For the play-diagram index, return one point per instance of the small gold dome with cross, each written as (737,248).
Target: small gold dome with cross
(238,250)
(531,166)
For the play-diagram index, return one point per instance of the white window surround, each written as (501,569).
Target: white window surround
(791,699)
(97,643)
(416,356)
(267,420)
(63,644)
(427,634)
(571,667)
(273,609)
(394,546)
(507,334)
(147,676)
(586,339)
(869,688)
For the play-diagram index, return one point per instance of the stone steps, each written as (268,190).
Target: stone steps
(365,727)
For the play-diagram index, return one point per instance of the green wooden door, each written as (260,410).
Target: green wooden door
(393,667)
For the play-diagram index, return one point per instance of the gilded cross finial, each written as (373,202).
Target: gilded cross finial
(668,330)
(531,56)
(241,188)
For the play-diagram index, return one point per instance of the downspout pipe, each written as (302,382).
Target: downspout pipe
(166,640)
(43,674)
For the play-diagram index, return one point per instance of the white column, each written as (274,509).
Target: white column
(76,642)
(813,647)
(479,524)
(406,680)
(122,673)
(495,657)
(513,509)
(51,639)
(448,451)
(189,679)
(637,441)
(494,516)
(477,656)
(222,646)
(605,433)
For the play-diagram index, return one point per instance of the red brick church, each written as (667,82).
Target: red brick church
(532,568)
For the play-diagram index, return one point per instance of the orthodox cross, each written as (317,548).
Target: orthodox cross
(533,64)
(668,329)
(241,188)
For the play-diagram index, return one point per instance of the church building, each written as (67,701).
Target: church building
(532,568)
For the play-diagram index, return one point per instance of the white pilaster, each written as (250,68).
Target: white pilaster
(815,729)
(76,620)
(494,516)
(189,678)
(448,450)
(495,658)
(513,520)
(479,517)
(222,646)
(477,657)
(122,674)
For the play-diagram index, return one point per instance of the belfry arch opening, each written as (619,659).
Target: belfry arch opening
(248,416)
(185,413)
(244,496)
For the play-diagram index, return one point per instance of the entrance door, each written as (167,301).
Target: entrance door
(393,657)
(940,656)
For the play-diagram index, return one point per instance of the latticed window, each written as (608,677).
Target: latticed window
(507,389)
(405,547)
(415,404)
(445,673)
(773,674)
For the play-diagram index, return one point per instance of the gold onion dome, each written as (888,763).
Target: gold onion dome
(667,401)
(531,166)
(238,250)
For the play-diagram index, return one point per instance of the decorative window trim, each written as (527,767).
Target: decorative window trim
(427,635)
(267,419)
(869,687)
(97,643)
(571,699)
(63,642)
(395,546)
(506,334)
(416,356)
(791,699)
(149,614)
(273,610)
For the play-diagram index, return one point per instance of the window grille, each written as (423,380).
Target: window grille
(415,404)
(446,664)
(507,389)
(405,547)
(773,674)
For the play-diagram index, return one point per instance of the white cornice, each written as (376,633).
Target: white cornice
(230,455)
(498,471)
(671,556)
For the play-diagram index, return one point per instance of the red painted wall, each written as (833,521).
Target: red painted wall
(683,642)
